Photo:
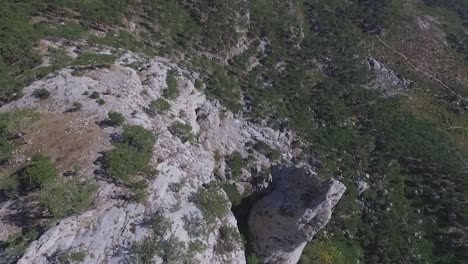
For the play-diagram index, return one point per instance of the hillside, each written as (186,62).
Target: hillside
(192,131)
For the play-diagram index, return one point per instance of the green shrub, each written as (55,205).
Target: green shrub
(199,85)
(159,105)
(125,161)
(77,106)
(40,173)
(268,151)
(65,197)
(131,156)
(228,240)
(172,90)
(160,225)
(139,138)
(194,225)
(233,194)
(100,101)
(236,162)
(182,131)
(41,94)
(253,259)
(17,244)
(116,119)
(95,95)
(72,257)
(211,202)
(144,251)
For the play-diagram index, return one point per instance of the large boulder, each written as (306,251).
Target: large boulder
(298,206)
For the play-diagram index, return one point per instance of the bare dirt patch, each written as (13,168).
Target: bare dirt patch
(70,140)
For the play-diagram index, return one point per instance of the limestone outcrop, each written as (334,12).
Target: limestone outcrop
(298,206)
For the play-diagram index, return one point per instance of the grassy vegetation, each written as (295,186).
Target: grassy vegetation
(94,59)
(65,197)
(12,123)
(329,252)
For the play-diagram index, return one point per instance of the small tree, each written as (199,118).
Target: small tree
(172,90)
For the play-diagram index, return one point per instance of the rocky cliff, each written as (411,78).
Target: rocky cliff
(109,231)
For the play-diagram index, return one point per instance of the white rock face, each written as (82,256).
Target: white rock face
(386,80)
(299,205)
(107,231)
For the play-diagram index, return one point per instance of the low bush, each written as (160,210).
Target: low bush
(160,224)
(159,105)
(228,240)
(233,194)
(211,202)
(95,95)
(268,151)
(77,106)
(72,257)
(17,243)
(116,119)
(182,131)
(41,94)
(100,101)
(194,225)
(235,163)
